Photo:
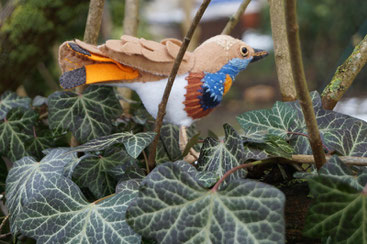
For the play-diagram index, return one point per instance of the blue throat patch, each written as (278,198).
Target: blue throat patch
(213,83)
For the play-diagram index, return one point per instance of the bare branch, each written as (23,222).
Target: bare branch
(309,159)
(301,84)
(281,50)
(171,79)
(94,21)
(345,75)
(232,22)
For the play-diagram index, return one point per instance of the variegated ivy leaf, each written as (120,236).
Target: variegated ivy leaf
(271,146)
(134,144)
(88,115)
(172,207)
(219,157)
(94,171)
(338,131)
(9,100)
(278,120)
(339,208)
(15,130)
(60,214)
(352,140)
(336,169)
(132,184)
(169,137)
(27,176)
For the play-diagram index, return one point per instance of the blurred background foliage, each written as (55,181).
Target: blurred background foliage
(32,30)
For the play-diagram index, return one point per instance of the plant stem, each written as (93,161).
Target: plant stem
(3,222)
(301,84)
(281,50)
(103,198)
(171,79)
(242,166)
(345,75)
(349,160)
(232,22)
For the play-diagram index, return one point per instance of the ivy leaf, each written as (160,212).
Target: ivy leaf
(15,130)
(132,184)
(172,207)
(271,146)
(60,214)
(86,115)
(9,100)
(134,144)
(27,176)
(93,172)
(338,170)
(170,139)
(338,211)
(278,120)
(351,140)
(219,157)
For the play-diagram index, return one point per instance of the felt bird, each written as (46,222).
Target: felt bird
(204,77)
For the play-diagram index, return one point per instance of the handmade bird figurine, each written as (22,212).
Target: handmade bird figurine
(204,77)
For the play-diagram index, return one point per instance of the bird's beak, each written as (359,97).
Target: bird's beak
(259,54)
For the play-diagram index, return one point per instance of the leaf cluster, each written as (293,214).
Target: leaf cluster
(101,192)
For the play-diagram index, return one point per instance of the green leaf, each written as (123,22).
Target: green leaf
(134,144)
(172,207)
(132,184)
(60,214)
(338,131)
(271,146)
(170,139)
(27,177)
(352,140)
(339,211)
(9,100)
(219,157)
(88,115)
(15,130)
(93,171)
(338,170)
(278,120)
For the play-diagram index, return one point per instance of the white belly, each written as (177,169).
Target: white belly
(151,94)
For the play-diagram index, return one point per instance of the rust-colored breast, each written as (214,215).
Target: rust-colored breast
(192,97)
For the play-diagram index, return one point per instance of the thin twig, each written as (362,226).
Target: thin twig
(242,166)
(3,222)
(281,50)
(345,75)
(232,22)
(301,84)
(171,79)
(349,160)
(103,198)
(146,162)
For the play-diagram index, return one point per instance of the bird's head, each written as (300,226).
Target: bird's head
(220,50)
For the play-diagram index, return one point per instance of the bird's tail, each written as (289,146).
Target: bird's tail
(81,66)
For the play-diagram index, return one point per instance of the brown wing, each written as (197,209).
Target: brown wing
(153,60)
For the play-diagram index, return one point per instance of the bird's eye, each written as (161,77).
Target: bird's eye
(244,51)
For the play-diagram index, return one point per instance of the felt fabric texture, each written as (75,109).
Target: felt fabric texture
(204,76)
